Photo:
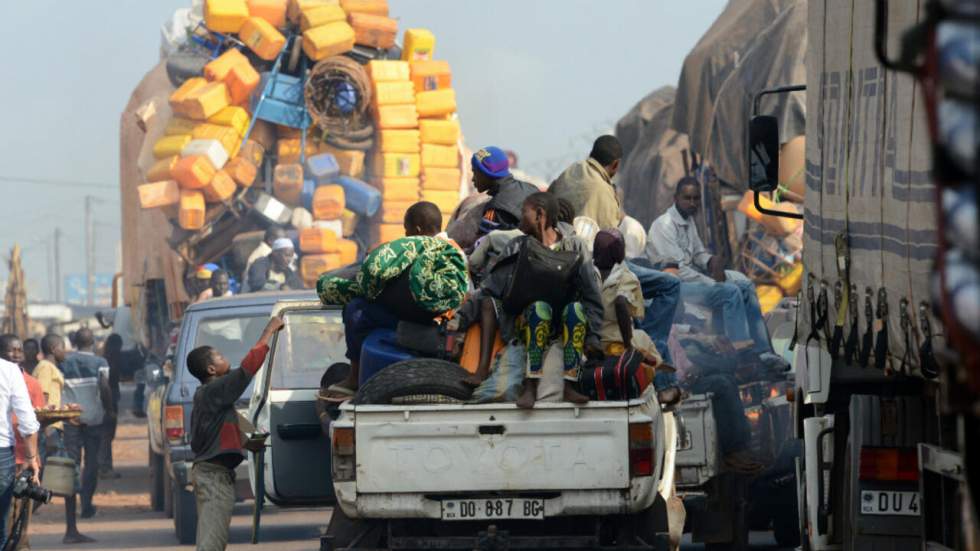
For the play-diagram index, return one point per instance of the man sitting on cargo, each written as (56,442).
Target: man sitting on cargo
(531,321)
(491,175)
(674,239)
(273,272)
(588,186)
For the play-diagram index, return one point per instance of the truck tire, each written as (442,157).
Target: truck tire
(157,480)
(436,380)
(345,531)
(185,515)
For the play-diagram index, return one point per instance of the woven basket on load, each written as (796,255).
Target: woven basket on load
(338,96)
(53,415)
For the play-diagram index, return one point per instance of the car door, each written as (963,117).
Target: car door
(297,459)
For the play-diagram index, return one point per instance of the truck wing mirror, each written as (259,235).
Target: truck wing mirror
(763,153)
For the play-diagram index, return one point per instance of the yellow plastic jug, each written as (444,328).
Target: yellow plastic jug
(436,103)
(351,162)
(439,131)
(273,11)
(329,40)
(193,210)
(793,280)
(241,80)
(318,240)
(349,220)
(447,201)
(431,75)
(399,141)
(441,179)
(385,70)
(226,135)
(252,151)
(168,146)
(420,45)
(388,232)
(193,172)
(398,189)
(180,95)
(328,202)
(159,194)
(347,250)
(207,100)
(769,297)
(440,156)
(398,165)
(320,15)
(393,212)
(220,188)
(776,225)
(162,169)
(262,38)
(375,31)
(397,116)
(179,125)
(225,16)
(295,8)
(234,117)
(373,7)
(394,92)
(242,171)
(217,69)
(312,265)
(287,183)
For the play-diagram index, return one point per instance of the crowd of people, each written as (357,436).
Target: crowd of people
(38,375)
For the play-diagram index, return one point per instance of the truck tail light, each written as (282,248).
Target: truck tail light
(889,464)
(173,422)
(641,449)
(342,444)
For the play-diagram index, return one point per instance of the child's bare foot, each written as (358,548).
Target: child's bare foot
(75,538)
(569,394)
(529,395)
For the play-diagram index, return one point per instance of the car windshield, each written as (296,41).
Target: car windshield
(310,343)
(233,336)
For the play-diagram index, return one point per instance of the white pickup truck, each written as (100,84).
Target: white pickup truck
(413,467)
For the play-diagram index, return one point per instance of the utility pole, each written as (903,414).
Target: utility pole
(89,253)
(57,265)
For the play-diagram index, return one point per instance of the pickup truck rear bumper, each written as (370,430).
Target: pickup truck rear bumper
(416,506)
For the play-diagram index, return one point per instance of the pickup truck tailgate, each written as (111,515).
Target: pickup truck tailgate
(491,447)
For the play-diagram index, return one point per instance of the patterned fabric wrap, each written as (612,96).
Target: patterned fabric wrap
(437,279)
(535,330)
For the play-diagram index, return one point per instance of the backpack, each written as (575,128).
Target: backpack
(621,377)
(540,274)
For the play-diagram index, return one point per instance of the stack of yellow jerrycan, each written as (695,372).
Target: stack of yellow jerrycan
(204,165)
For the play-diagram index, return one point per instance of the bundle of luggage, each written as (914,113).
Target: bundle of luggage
(241,139)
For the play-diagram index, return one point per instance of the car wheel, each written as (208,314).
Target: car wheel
(168,494)
(344,531)
(421,380)
(157,480)
(185,515)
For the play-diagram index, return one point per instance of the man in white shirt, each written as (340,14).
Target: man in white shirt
(673,240)
(14,400)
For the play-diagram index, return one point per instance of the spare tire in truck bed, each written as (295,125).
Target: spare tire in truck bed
(419,380)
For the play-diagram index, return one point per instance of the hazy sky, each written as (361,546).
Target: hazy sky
(542,77)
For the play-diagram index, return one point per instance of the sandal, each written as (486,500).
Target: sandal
(340,394)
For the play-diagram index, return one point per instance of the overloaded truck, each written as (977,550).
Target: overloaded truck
(887,337)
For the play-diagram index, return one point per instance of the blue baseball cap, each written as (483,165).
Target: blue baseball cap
(491,161)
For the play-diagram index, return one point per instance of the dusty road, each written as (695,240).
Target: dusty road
(125,521)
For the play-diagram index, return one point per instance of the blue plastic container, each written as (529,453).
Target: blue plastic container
(379,351)
(360,197)
(281,101)
(306,196)
(322,168)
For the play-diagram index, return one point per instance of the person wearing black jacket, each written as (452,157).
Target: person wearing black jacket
(273,272)
(491,175)
(581,314)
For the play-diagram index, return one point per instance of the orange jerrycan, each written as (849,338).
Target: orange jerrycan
(329,40)
(399,141)
(206,101)
(388,232)
(347,250)
(447,201)
(431,75)
(225,16)
(373,7)
(398,189)
(159,194)
(376,31)
(397,116)
(439,156)
(179,97)
(398,165)
(441,132)
(242,171)
(192,210)
(420,45)
(312,265)
(220,188)
(441,179)
(287,183)
(262,38)
(273,11)
(394,92)
(193,172)
(318,240)
(436,103)
(328,202)
(320,15)
(385,70)
(162,169)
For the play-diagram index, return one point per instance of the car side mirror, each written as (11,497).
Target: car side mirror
(763,153)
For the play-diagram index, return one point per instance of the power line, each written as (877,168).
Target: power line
(52,182)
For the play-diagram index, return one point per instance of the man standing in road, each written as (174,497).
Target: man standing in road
(674,240)
(86,384)
(216,437)
(491,175)
(14,401)
(588,186)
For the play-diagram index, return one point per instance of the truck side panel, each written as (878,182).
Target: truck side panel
(867,168)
